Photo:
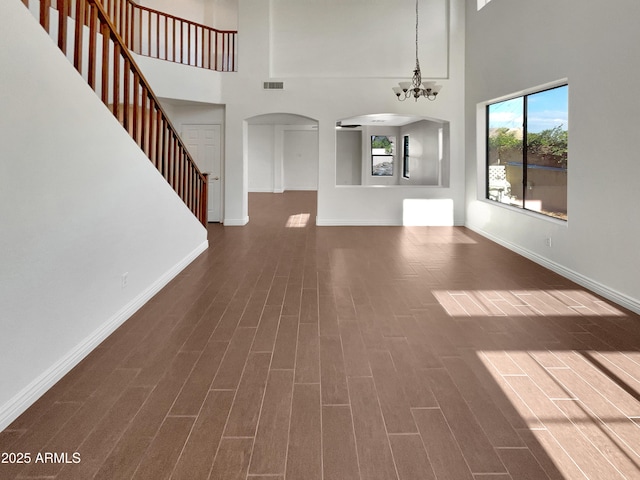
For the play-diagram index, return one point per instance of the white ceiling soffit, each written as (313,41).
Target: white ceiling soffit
(281,119)
(382,119)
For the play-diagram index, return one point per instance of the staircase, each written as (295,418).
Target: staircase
(92,36)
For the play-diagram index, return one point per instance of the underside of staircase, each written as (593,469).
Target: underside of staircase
(98,38)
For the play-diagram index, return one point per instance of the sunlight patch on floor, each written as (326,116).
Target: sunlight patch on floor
(299,220)
(517,303)
(580,405)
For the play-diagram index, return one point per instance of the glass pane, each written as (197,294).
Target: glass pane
(547,135)
(504,140)
(382,145)
(382,155)
(382,165)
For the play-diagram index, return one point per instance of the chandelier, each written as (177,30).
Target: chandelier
(416,88)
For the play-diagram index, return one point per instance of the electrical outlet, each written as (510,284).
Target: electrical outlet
(547,241)
(125,279)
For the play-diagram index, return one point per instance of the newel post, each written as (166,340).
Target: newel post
(203,199)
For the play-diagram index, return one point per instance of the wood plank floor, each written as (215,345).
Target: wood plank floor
(288,352)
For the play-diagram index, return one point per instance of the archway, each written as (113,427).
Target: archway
(391,149)
(282,152)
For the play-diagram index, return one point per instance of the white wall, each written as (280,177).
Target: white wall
(513,46)
(282,156)
(179,82)
(426,154)
(193,10)
(261,158)
(349,157)
(190,113)
(357,38)
(300,159)
(220,14)
(80,205)
(329,100)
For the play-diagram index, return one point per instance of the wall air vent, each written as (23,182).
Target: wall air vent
(273,85)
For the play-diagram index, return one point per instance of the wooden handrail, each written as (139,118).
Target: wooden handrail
(156,34)
(124,89)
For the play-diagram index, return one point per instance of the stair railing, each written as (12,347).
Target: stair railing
(160,35)
(99,54)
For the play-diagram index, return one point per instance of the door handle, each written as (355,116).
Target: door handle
(216,178)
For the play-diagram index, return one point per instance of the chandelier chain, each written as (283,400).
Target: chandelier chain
(417,63)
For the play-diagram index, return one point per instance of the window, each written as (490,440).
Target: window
(382,150)
(405,157)
(527,141)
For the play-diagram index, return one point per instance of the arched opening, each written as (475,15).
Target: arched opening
(282,153)
(391,149)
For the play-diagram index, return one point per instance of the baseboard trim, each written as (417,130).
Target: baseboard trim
(619,298)
(327,222)
(39,386)
(236,222)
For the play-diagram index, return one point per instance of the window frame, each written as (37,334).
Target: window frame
(405,157)
(524,96)
(391,156)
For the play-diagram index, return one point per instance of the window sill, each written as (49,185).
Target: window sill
(528,213)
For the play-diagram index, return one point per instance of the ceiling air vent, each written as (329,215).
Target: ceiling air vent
(273,85)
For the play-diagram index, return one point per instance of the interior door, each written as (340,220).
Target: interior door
(203,143)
